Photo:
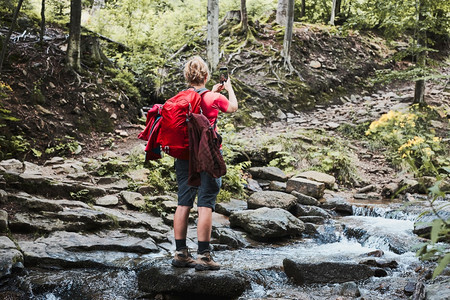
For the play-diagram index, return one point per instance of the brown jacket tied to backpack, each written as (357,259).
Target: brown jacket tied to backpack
(204,150)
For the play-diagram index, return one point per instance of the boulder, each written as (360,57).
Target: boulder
(338,204)
(10,256)
(305,186)
(266,223)
(271,199)
(71,249)
(136,200)
(226,208)
(108,200)
(253,185)
(268,173)
(229,237)
(312,219)
(277,186)
(12,165)
(328,180)
(75,219)
(326,272)
(304,199)
(307,210)
(189,284)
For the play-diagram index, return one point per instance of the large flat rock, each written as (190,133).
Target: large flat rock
(70,249)
(326,272)
(272,199)
(191,284)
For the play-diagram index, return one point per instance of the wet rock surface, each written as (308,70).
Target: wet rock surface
(188,283)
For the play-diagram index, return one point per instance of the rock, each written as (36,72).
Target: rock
(266,223)
(326,272)
(134,199)
(312,219)
(339,205)
(253,185)
(70,249)
(305,186)
(439,290)
(319,177)
(33,203)
(332,125)
(229,237)
(189,284)
(304,199)
(367,188)
(140,175)
(408,185)
(350,289)
(169,206)
(135,219)
(380,263)
(12,165)
(56,160)
(268,173)
(257,115)
(3,221)
(107,200)
(423,224)
(368,196)
(226,208)
(315,64)
(9,256)
(271,199)
(49,187)
(277,186)
(309,210)
(3,197)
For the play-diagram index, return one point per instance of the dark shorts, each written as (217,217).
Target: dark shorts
(207,191)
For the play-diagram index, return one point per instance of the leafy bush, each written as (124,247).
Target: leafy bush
(410,141)
(64,146)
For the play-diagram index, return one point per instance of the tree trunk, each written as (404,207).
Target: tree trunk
(419,91)
(337,11)
(282,12)
(288,34)
(303,11)
(212,40)
(41,37)
(333,13)
(8,36)
(74,43)
(244,16)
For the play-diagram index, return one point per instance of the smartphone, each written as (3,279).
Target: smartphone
(223,71)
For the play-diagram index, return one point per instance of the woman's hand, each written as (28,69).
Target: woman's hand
(217,88)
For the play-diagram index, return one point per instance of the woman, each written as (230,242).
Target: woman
(196,74)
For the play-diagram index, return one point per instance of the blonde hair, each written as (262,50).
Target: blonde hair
(195,71)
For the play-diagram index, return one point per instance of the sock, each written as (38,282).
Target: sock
(180,244)
(202,247)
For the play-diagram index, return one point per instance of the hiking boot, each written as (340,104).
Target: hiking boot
(183,259)
(205,262)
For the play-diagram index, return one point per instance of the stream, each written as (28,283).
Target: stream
(343,239)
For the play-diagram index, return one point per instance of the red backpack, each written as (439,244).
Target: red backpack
(151,132)
(173,134)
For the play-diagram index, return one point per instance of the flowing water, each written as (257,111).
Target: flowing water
(344,239)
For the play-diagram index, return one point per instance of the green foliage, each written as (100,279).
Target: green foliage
(162,175)
(82,195)
(410,141)
(284,160)
(126,81)
(433,250)
(13,146)
(64,146)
